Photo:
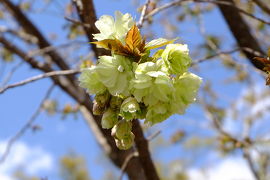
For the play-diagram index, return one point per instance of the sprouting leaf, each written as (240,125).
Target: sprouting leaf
(156,43)
(135,44)
(133,38)
(266,66)
(113,45)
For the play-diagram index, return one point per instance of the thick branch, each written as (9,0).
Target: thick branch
(241,32)
(31,29)
(87,15)
(144,153)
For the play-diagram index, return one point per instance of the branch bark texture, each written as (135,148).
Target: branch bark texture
(241,32)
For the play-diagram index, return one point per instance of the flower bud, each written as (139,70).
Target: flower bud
(109,119)
(122,129)
(103,99)
(97,109)
(115,102)
(129,108)
(125,143)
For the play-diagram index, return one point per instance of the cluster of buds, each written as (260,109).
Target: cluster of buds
(131,84)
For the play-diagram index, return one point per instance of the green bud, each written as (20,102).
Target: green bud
(122,129)
(129,108)
(115,102)
(109,119)
(103,99)
(126,142)
(97,109)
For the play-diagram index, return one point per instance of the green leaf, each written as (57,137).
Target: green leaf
(156,43)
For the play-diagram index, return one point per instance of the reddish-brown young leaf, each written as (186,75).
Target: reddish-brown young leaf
(266,63)
(133,38)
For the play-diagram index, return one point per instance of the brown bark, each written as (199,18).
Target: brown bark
(241,32)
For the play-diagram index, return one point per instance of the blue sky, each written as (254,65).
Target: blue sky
(59,137)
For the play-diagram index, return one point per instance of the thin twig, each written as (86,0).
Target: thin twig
(41,76)
(127,160)
(25,127)
(154,135)
(179,2)
(75,21)
(215,55)
(251,164)
(12,71)
(143,14)
(53,48)
(263,6)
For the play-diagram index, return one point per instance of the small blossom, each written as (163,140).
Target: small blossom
(90,81)
(129,108)
(115,73)
(186,88)
(114,29)
(176,58)
(151,85)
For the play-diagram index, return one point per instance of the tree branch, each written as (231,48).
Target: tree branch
(218,2)
(144,153)
(31,29)
(87,15)
(263,6)
(38,77)
(241,32)
(143,14)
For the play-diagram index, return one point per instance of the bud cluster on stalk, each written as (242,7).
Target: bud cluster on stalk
(131,84)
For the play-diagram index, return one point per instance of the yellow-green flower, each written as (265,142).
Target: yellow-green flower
(151,84)
(115,72)
(176,58)
(90,81)
(113,29)
(129,108)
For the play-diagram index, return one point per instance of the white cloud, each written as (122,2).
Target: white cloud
(227,169)
(33,160)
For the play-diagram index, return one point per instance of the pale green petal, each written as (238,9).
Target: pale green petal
(113,29)
(156,43)
(186,88)
(90,81)
(129,108)
(176,58)
(157,113)
(115,72)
